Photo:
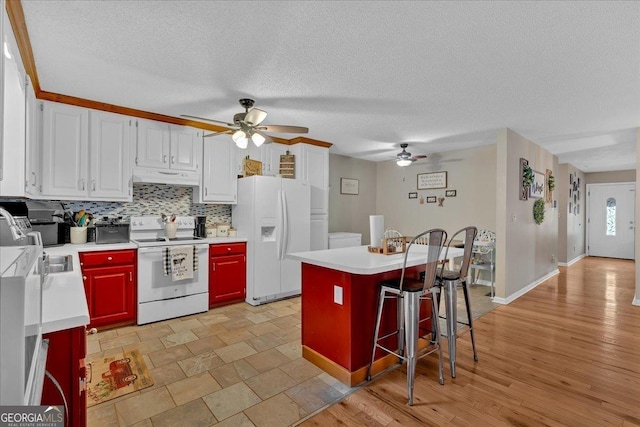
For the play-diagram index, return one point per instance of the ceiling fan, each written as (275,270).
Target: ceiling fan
(404,158)
(247,126)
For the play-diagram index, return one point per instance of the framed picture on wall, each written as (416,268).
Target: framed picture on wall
(537,188)
(431,199)
(349,186)
(430,181)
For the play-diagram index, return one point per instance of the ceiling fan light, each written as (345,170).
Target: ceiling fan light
(403,162)
(240,138)
(257,139)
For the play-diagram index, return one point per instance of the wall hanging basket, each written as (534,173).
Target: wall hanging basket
(538,211)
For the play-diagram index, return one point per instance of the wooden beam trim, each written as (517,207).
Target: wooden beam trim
(19,26)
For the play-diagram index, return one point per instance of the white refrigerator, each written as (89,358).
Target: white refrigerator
(274,215)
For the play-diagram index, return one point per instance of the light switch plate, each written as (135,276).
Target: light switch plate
(337,294)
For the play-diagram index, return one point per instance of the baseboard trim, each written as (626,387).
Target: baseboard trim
(573,261)
(526,289)
(341,373)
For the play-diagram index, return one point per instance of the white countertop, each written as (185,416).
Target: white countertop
(358,260)
(64,304)
(222,240)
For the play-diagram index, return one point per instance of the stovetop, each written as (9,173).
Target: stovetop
(149,231)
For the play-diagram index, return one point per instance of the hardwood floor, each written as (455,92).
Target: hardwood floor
(566,353)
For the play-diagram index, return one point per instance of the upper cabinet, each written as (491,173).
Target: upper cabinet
(33,182)
(312,165)
(85,160)
(271,157)
(12,114)
(219,176)
(109,149)
(165,146)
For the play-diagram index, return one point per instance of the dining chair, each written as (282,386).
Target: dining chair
(409,292)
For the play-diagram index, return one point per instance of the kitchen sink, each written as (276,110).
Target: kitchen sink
(60,263)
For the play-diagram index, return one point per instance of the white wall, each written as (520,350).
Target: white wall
(636,299)
(471,172)
(351,212)
(572,227)
(526,251)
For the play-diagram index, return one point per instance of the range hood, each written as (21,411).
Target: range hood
(166,176)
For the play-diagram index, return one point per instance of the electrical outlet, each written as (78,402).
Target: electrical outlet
(337,294)
(553,257)
(514,218)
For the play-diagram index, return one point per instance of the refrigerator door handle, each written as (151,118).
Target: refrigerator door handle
(285,221)
(280,226)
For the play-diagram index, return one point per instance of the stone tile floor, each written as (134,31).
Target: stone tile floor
(237,365)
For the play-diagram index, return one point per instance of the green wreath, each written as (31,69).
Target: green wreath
(538,211)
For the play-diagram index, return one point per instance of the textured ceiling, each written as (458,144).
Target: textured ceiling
(364,76)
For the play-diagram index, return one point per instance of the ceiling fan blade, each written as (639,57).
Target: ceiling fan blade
(217,133)
(255,116)
(207,120)
(420,156)
(267,138)
(284,129)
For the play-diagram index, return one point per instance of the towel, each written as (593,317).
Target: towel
(168,261)
(181,258)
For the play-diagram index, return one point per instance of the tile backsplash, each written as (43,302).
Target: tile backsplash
(154,199)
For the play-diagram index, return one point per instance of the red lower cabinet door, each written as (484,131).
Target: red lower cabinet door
(65,363)
(227,278)
(110,294)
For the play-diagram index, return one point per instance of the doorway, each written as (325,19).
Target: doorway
(611,220)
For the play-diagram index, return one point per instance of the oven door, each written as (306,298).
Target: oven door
(153,285)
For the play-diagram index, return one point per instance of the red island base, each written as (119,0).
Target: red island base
(337,336)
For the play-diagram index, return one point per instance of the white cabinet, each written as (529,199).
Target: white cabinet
(12,117)
(185,145)
(165,146)
(33,182)
(2,38)
(312,165)
(65,146)
(252,151)
(219,176)
(82,165)
(153,145)
(271,157)
(319,232)
(110,169)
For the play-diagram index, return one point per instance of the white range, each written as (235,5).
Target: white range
(159,296)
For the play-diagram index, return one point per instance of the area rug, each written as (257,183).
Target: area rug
(115,376)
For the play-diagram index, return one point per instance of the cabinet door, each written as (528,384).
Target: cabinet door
(65,139)
(219,178)
(227,278)
(319,228)
(153,144)
(109,151)
(32,137)
(271,158)
(12,151)
(185,145)
(110,294)
(314,167)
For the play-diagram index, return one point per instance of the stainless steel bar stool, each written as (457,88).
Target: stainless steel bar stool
(409,293)
(449,280)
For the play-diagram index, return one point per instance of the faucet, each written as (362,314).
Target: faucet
(15,231)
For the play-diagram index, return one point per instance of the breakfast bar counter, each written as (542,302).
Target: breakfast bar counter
(340,290)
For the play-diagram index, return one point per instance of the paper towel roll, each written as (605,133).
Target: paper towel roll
(376,229)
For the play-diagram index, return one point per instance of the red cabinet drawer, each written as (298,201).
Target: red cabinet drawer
(227,249)
(89,259)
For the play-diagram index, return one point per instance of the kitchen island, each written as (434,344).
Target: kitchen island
(340,289)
